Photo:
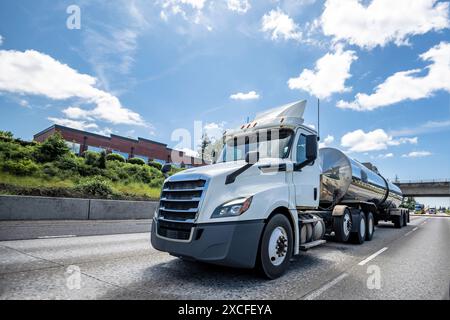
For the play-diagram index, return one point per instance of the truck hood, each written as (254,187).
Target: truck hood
(211,171)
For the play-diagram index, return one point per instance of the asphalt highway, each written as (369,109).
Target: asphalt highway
(408,263)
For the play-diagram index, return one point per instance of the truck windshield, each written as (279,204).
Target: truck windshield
(273,143)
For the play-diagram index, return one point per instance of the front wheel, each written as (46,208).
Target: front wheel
(276,247)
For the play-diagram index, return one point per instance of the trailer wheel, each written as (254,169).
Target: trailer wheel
(359,236)
(370,226)
(342,226)
(276,248)
(405,219)
(398,221)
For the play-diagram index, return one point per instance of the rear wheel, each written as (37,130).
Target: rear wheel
(405,219)
(370,226)
(360,235)
(342,226)
(276,247)
(398,221)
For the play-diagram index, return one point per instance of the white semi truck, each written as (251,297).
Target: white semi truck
(272,194)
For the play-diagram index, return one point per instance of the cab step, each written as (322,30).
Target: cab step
(311,244)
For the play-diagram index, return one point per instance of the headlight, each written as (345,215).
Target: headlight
(233,208)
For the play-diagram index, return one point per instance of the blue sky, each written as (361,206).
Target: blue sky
(147,68)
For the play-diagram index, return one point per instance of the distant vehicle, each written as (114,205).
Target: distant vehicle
(432,211)
(419,208)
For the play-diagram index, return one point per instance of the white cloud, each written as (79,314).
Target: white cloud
(326,142)
(251,95)
(214,130)
(382,21)
(34,73)
(280,25)
(24,103)
(80,125)
(360,141)
(386,155)
(105,131)
(239,6)
(329,74)
(417,154)
(406,85)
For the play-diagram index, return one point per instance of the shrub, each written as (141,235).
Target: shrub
(50,170)
(51,149)
(12,150)
(138,161)
(21,167)
(91,157)
(115,157)
(101,163)
(6,134)
(96,186)
(155,164)
(86,170)
(67,162)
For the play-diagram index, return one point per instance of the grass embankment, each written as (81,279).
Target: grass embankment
(36,186)
(50,169)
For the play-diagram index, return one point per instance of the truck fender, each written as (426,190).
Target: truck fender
(339,210)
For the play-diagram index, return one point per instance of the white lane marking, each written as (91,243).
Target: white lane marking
(408,233)
(316,293)
(62,236)
(372,256)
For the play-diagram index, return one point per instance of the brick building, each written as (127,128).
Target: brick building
(148,150)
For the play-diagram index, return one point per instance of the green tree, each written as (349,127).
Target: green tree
(51,149)
(6,134)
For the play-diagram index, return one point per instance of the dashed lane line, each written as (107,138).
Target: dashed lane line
(372,256)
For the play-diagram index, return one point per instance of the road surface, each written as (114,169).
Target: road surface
(408,263)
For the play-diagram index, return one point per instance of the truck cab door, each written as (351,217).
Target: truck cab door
(306,178)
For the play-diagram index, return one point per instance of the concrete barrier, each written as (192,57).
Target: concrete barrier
(118,209)
(43,208)
(47,208)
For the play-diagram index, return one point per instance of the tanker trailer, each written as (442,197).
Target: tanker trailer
(348,185)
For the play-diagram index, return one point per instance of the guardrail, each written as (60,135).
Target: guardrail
(46,208)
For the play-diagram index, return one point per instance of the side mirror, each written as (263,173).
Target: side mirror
(311,148)
(252,157)
(311,152)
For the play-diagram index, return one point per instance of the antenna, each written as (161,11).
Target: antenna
(318,119)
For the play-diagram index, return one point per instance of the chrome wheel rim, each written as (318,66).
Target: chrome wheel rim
(347,224)
(278,246)
(362,227)
(370,226)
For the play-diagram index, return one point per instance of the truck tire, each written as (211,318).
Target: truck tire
(398,221)
(359,236)
(405,219)
(277,244)
(370,226)
(342,226)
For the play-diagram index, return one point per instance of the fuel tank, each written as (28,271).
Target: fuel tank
(344,178)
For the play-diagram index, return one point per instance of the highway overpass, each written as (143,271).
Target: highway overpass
(425,188)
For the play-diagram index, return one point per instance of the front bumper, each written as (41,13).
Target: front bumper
(233,244)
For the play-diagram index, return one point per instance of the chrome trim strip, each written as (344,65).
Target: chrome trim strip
(194,210)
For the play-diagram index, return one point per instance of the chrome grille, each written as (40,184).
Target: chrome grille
(180,200)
